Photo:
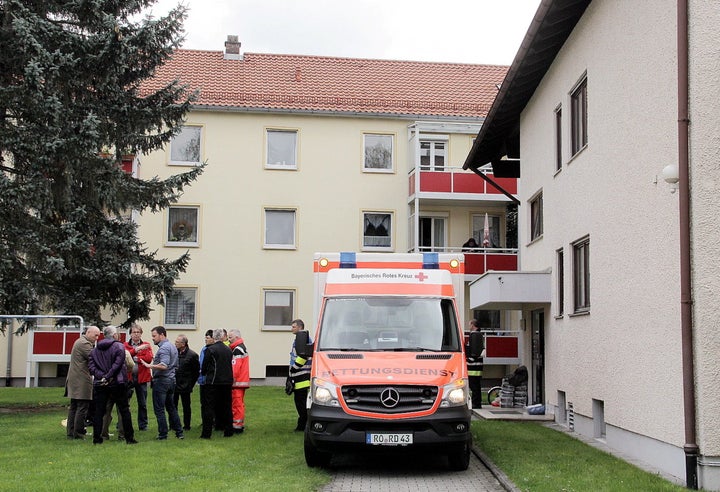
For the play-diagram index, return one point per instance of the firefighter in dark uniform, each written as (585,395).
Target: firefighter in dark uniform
(475,371)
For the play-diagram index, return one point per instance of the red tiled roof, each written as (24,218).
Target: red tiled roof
(317,83)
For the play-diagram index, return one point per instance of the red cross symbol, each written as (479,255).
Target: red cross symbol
(421,276)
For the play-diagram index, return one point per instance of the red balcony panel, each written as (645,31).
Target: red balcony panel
(501,262)
(498,346)
(474,263)
(479,263)
(508,184)
(435,182)
(49,342)
(70,340)
(468,183)
(54,343)
(127,164)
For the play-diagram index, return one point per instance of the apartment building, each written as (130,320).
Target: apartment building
(308,154)
(611,109)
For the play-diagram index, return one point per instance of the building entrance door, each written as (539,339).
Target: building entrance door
(538,356)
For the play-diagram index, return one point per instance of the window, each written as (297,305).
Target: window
(378,153)
(432,155)
(560,282)
(478,230)
(182,227)
(377,231)
(281,149)
(558,138)
(536,216)
(180,306)
(432,233)
(279,229)
(581,275)
(579,117)
(278,308)
(185,147)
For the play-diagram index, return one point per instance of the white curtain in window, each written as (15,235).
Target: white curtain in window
(180,307)
(281,148)
(378,151)
(280,227)
(278,308)
(377,230)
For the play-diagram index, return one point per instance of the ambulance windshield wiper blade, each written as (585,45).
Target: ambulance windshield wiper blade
(415,349)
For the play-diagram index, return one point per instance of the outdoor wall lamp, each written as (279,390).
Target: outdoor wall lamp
(670,175)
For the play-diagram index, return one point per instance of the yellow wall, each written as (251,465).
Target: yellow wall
(329,190)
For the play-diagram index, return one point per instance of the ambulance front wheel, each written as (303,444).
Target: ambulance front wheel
(459,457)
(314,457)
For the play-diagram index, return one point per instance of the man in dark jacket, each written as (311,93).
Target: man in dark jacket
(185,378)
(216,400)
(107,365)
(79,383)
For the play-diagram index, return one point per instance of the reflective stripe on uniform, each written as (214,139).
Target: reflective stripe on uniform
(302,384)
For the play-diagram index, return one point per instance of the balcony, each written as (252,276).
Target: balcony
(483,259)
(455,183)
(504,260)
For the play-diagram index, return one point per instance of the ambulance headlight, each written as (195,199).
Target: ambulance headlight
(324,393)
(455,394)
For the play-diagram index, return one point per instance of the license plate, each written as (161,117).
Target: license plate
(388,439)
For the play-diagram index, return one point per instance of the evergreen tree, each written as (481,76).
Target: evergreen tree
(72,101)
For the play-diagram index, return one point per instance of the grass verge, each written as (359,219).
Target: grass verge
(538,459)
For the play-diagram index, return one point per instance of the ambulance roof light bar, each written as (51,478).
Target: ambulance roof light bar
(348,260)
(431,261)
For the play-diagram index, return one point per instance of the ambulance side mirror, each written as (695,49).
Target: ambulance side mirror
(302,347)
(476,341)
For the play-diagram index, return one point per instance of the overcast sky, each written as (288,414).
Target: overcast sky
(462,31)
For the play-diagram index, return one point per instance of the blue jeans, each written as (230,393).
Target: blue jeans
(141,392)
(162,396)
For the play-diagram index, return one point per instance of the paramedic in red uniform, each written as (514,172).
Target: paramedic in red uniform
(241,379)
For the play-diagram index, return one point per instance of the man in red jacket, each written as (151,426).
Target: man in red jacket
(241,379)
(140,350)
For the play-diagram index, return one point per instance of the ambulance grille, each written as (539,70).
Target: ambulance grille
(345,356)
(390,399)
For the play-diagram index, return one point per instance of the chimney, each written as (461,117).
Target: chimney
(232,48)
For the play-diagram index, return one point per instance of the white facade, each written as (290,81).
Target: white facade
(618,366)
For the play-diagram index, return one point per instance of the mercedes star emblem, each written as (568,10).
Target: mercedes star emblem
(390,397)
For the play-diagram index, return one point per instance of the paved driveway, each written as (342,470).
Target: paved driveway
(401,472)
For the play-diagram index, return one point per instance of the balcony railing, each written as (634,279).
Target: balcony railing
(457,180)
(481,260)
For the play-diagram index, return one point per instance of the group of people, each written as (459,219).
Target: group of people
(104,373)
(224,377)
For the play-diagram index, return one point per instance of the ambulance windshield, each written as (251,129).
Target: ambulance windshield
(389,323)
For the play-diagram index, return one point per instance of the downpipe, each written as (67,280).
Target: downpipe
(686,329)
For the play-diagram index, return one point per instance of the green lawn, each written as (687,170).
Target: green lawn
(267,457)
